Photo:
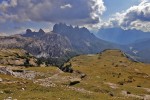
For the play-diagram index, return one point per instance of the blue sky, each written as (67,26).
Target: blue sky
(114,6)
(18,15)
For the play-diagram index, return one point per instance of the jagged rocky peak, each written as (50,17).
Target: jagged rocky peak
(63,28)
(30,33)
(73,32)
(41,31)
(82,40)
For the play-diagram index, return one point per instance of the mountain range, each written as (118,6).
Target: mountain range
(82,40)
(140,50)
(134,43)
(121,36)
(62,43)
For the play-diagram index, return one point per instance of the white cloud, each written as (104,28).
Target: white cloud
(80,12)
(75,12)
(3,34)
(97,7)
(135,17)
(66,6)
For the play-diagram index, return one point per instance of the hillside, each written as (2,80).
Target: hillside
(104,76)
(139,50)
(111,73)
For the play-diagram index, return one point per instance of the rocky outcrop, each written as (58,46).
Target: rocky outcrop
(5,70)
(39,44)
(24,74)
(17,57)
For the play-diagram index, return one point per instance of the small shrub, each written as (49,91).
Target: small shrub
(139,86)
(111,94)
(121,83)
(8,91)
(128,92)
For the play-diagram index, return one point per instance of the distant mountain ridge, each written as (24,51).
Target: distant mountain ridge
(134,43)
(140,50)
(121,36)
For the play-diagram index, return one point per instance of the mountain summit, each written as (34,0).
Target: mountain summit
(81,39)
(29,33)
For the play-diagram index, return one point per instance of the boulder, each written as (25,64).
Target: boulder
(74,81)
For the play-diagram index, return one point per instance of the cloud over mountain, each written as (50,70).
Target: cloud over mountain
(135,17)
(68,11)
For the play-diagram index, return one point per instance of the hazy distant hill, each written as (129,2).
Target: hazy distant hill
(140,50)
(120,36)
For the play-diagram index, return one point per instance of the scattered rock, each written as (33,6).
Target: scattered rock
(147,97)
(23,89)
(1,92)
(18,73)
(82,75)
(74,81)
(5,70)
(112,85)
(1,79)
(128,94)
(9,98)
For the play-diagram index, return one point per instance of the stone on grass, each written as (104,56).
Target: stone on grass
(75,81)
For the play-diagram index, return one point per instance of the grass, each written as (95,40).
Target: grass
(37,92)
(108,67)
(101,68)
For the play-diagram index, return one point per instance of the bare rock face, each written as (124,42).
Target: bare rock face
(81,39)
(39,44)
